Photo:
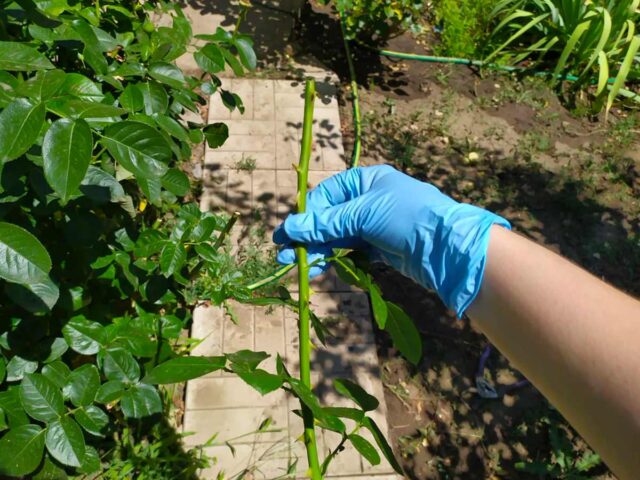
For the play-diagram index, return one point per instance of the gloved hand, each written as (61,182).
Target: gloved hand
(411,225)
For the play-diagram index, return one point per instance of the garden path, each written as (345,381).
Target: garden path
(269,132)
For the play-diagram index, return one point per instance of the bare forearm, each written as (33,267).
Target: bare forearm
(576,338)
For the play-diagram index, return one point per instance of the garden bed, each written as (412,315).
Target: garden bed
(509,145)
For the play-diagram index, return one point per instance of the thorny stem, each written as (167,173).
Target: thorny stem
(225,231)
(303,280)
(281,272)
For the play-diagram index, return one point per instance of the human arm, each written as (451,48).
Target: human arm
(575,338)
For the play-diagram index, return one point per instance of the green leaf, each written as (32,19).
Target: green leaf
(3,369)
(172,258)
(65,442)
(35,297)
(246,53)
(167,73)
(233,62)
(81,87)
(141,401)
(49,470)
(404,333)
(66,153)
(44,85)
(365,449)
(131,98)
(182,369)
(176,181)
(119,364)
(262,381)
(247,359)
(139,148)
(92,419)
(172,127)
(20,124)
(57,372)
(210,59)
(91,460)
(83,336)
(101,187)
(82,385)
(216,134)
(154,97)
(3,421)
(23,259)
(356,393)
(207,252)
(21,450)
(18,367)
(74,108)
(378,306)
(383,445)
(54,348)
(110,391)
(18,57)
(149,243)
(40,398)
(306,396)
(344,412)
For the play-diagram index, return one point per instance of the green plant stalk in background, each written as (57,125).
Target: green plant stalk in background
(357,124)
(303,281)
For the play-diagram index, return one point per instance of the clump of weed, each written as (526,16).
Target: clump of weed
(246,163)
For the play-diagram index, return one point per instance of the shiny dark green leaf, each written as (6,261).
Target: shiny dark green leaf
(18,367)
(176,181)
(141,401)
(167,73)
(40,398)
(345,412)
(210,59)
(66,152)
(91,460)
(82,385)
(131,98)
(18,57)
(57,372)
(82,335)
(44,85)
(154,97)
(182,369)
(378,306)
(81,87)
(35,297)
(92,419)
(110,391)
(65,441)
(247,359)
(76,108)
(21,450)
(246,53)
(139,148)
(172,258)
(216,134)
(23,259)
(119,364)
(172,127)
(20,125)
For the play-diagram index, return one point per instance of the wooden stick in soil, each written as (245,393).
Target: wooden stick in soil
(303,280)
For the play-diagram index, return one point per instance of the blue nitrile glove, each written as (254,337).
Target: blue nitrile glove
(411,225)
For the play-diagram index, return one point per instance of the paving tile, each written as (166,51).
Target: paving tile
(239,192)
(288,86)
(239,336)
(269,334)
(248,143)
(229,160)
(211,393)
(251,127)
(268,461)
(231,423)
(263,105)
(207,325)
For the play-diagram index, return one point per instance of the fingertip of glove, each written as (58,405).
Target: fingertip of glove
(286,256)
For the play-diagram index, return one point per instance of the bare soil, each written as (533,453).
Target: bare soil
(509,146)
